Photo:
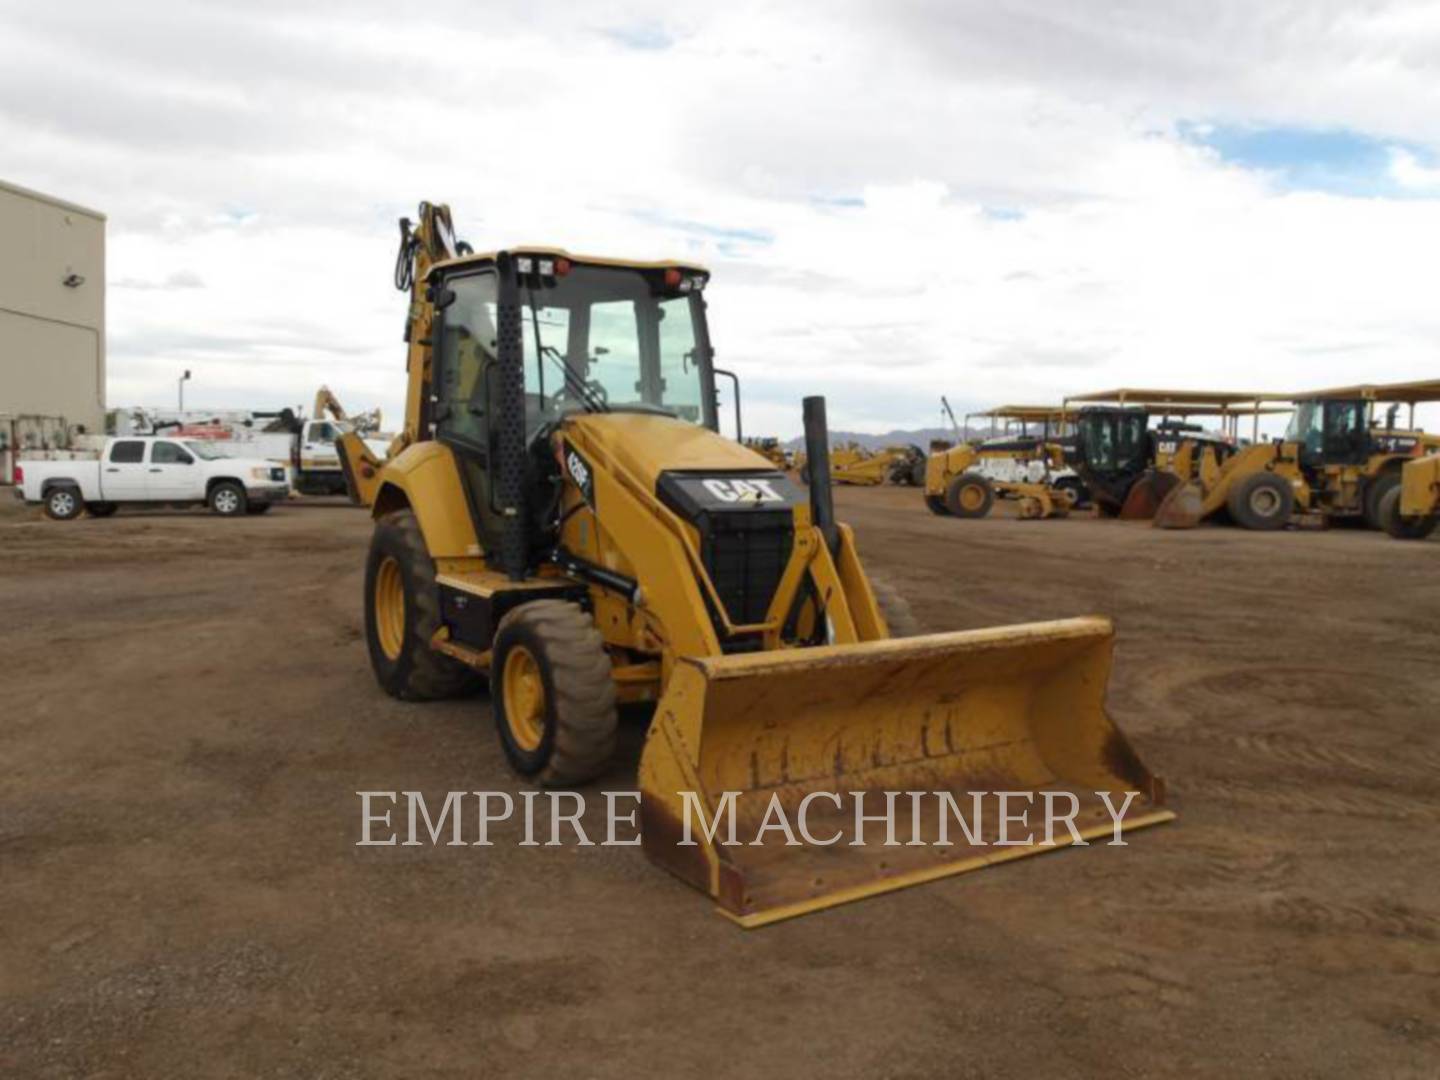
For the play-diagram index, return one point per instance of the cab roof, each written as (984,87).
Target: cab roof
(1405,393)
(1024,412)
(1195,400)
(482,258)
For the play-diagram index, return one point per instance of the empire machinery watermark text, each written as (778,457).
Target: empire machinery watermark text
(818,819)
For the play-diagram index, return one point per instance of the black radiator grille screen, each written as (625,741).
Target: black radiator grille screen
(745,554)
(746,522)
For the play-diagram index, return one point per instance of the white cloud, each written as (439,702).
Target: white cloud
(899,200)
(1411,174)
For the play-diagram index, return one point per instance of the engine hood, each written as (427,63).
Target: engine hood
(648,445)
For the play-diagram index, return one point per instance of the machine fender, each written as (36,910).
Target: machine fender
(426,478)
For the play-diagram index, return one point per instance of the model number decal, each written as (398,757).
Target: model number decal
(579,470)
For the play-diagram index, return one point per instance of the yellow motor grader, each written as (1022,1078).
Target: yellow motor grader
(562,518)
(964,478)
(770,449)
(861,467)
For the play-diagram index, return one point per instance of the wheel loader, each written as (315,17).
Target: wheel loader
(964,479)
(1411,510)
(1338,459)
(1131,467)
(562,519)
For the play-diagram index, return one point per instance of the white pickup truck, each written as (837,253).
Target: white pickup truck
(134,471)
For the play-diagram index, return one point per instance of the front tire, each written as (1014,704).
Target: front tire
(969,495)
(1262,502)
(402,614)
(1077,488)
(1403,528)
(227,499)
(63,503)
(553,694)
(936,505)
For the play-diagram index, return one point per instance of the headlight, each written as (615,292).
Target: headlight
(260,474)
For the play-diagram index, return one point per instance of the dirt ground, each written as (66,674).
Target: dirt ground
(187,713)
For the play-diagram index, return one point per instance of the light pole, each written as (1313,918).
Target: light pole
(183,379)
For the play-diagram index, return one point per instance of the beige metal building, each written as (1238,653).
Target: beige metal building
(52,322)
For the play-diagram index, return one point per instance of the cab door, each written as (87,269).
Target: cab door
(317,447)
(123,476)
(1346,438)
(173,474)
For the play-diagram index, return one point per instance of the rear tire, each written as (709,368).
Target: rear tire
(1402,528)
(1375,495)
(553,694)
(1262,502)
(969,495)
(402,613)
(895,609)
(63,503)
(227,499)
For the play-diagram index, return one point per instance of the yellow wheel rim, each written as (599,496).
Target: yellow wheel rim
(389,603)
(972,497)
(524,692)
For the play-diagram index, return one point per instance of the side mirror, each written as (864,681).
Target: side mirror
(442,297)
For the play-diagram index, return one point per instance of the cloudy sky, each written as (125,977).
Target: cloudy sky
(998,200)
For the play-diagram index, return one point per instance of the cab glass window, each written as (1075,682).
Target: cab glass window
(168,453)
(466,349)
(127,452)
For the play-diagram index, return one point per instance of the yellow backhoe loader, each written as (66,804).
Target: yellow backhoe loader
(964,478)
(1411,510)
(563,518)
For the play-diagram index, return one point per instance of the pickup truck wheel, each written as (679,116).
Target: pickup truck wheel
(402,614)
(63,503)
(100,509)
(227,499)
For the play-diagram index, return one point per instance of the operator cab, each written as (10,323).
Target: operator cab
(1331,432)
(584,336)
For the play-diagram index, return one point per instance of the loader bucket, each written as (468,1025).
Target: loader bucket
(1182,508)
(1147,494)
(806,734)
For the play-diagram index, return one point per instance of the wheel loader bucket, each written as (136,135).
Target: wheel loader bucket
(790,745)
(1147,494)
(1182,508)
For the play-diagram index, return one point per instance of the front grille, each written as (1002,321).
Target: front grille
(745,554)
(277,474)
